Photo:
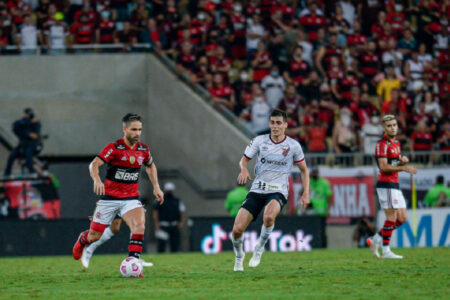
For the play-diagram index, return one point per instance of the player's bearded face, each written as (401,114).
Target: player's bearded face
(277,126)
(133,132)
(391,128)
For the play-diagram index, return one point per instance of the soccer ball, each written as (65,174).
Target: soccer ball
(131,267)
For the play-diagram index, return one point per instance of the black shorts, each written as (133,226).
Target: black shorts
(255,202)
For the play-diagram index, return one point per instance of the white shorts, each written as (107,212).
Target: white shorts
(391,198)
(106,210)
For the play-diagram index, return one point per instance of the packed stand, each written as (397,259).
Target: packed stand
(334,66)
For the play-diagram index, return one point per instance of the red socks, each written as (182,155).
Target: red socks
(386,232)
(135,245)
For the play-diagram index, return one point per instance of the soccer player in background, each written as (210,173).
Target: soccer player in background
(120,193)
(276,154)
(390,162)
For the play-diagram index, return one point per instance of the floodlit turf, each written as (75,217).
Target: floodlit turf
(324,274)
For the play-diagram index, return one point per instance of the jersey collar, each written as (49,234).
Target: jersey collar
(122,141)
(285,136)
(385,137)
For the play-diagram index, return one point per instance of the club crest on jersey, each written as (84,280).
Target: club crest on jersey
(132,159)
(286,151)
(140,160)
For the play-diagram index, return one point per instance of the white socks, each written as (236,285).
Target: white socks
(107,234)
(264,236)
(238,246)
(385,249)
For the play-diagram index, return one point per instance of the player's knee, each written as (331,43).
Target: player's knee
(269,220)
(402,219)
(138,228)
(237,231)
(115,226)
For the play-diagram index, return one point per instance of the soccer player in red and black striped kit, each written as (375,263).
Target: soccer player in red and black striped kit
(390,162)
(120,193)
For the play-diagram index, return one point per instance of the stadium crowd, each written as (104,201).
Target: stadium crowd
(334,66)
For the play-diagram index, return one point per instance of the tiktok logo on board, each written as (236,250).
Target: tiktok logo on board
(212,244)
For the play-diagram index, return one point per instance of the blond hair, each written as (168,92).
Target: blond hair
(387,118)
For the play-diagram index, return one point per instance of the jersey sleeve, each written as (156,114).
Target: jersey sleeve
(299,156)
(252,148)
(381,150)
(107,154)
(148,158)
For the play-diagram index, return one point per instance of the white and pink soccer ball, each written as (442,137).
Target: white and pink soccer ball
(131,267)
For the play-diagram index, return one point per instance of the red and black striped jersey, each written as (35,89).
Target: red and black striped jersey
(389,149)
(123,168)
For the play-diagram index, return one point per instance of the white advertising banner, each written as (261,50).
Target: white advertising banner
(433,227)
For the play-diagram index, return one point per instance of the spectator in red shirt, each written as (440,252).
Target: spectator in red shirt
(312,22)
(18,9)
(238,23)
(83,30)
(377,28)
(326,52)
(261,63)
(186,59)
(126,36)
(356,38)
(421,140)
(340,26)
(221,64)
(154,36)
(298,69)
(106,28)
(222,93)
(202,74)
(88,11)
(341,88)
(369,62)
(291,101)
(444,140)
(396,17)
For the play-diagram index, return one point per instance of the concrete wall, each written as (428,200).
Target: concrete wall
(80,99)
(194,136)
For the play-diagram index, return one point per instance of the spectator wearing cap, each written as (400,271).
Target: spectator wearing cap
(168,219)
(28,131)
(55,35)
(320,191)
(235,198)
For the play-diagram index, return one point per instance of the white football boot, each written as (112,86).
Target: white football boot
(390,254)
(239,263)
(375,244)
(86,257)
(145,263)
(256,258)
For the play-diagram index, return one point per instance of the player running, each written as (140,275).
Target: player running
(120,193)
(390,162)
(276,154)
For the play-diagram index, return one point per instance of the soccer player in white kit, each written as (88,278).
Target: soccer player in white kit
(276,154)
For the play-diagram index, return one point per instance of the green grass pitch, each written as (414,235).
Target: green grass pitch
(424,273)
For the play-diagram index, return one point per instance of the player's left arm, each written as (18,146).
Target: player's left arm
(152,173)
(304,172)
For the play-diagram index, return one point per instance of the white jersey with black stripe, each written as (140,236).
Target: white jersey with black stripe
(274,163)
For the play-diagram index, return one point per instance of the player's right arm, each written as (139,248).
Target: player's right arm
(385,167)
(94,170)
(251,150)
(244,175)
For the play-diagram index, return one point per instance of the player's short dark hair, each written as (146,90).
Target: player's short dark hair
(279,113)
(130,117)
(440,179)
